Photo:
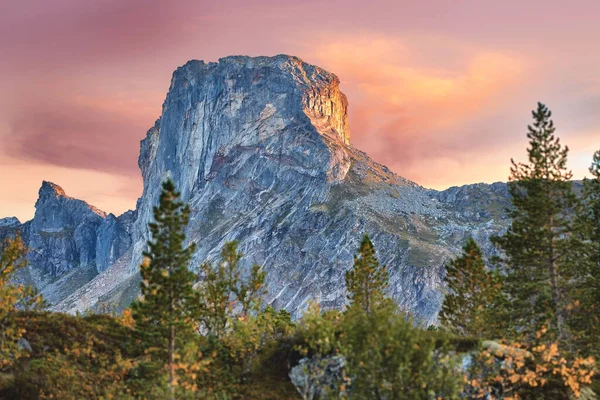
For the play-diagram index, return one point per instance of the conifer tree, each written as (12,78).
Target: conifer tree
(366,281)
(592,205)
(538,246)
(589,318)
(166,311)
(471,291)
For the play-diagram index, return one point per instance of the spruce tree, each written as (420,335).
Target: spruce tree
(538,246)
(166,310)
(471,291)
(366,281)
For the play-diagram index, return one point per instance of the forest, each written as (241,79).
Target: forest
(524,324)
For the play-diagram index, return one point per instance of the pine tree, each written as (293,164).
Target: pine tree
(366,281)
(592,204)
(166,311)
(589,317)
(471,291)
(538,246)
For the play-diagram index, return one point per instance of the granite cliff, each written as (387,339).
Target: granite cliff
(260,149)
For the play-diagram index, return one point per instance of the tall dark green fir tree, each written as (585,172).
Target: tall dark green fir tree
(166,310)
(538,247)
(367,280)
(472,289)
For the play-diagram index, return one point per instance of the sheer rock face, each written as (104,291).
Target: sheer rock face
(260,149)
(245,128)
(113,241)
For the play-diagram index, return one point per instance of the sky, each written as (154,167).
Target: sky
(439,91)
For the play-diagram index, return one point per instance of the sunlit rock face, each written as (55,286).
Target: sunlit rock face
(260,149)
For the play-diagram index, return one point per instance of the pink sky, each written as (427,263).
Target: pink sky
(439,91)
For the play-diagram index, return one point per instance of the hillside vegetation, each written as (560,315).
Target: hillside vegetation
(524,325)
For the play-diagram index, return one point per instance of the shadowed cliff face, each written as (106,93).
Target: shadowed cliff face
(62,234)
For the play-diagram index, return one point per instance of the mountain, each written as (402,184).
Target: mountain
(69,242)
(260,149)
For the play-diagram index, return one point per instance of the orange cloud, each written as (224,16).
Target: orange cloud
(394,74)
(421,104)
(111,193)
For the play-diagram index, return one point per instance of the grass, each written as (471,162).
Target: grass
(418,257)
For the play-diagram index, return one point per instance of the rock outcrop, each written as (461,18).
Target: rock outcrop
(69,242)
(9,222)
(260,149)
(9,226)
(62,234)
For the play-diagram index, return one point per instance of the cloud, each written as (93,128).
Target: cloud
(109,192)
(412,110)
(77,135)
(440,92)
(69,33)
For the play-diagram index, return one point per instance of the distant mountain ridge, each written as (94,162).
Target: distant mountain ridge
(260,149)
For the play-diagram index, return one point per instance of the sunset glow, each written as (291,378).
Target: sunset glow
(439,91)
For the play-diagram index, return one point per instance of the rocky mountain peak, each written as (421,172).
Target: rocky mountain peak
(277,105)
(51,193)
(260,149)
(9,222)
(246,127)
(51,189)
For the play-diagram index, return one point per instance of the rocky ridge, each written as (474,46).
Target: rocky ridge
(69,242)
(260,149)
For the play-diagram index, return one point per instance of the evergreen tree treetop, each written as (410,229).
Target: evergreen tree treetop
(471,291)
(539,248)
(366,281)
(547,156)
(167,310)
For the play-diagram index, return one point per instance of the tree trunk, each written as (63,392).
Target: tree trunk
(560,318)
(171,346)
(172,361)
(556,297)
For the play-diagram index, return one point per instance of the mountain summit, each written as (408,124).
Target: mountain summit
(260,149)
